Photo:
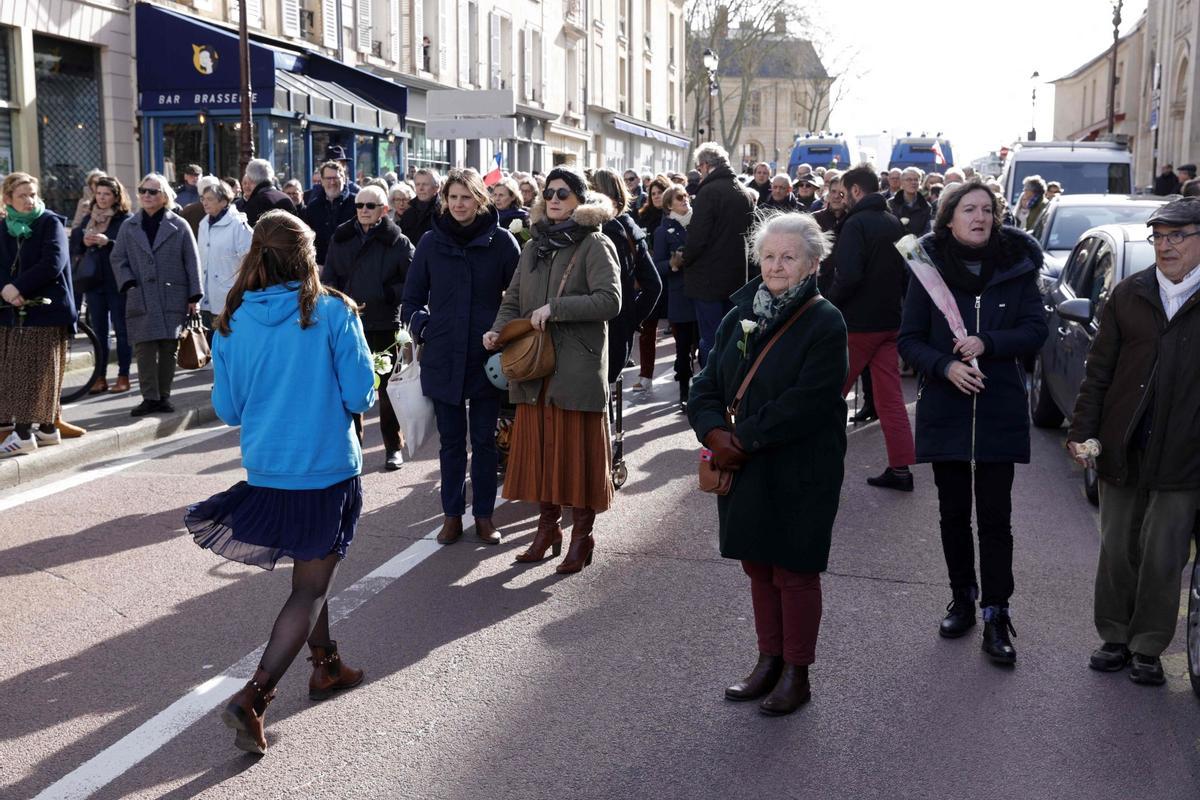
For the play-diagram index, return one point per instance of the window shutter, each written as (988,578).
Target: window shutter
(527,65)
(289,14)
(443,39)
(363,32)
(418,34)
(494,72)
(464,44)
(395,31)
(329,26)
(577,66)
(254,13)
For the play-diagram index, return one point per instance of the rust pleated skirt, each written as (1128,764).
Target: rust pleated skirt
(561,457)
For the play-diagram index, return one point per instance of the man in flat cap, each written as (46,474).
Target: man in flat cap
(1140,400)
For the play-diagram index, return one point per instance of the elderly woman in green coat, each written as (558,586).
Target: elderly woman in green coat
(785,447)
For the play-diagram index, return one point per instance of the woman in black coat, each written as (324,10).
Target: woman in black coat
(972,410)
(94,238)
(669,242)
(785,445)
(37,314)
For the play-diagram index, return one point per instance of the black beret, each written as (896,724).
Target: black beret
(572,178)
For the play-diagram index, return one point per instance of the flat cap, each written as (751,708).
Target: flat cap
(1187,168)
(1184,211)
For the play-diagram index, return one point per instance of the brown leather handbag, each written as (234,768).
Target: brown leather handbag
(194,352)
(528,354)
(713,479)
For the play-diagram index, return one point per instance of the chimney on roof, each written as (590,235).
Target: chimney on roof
(721,23)
(781,22)
(746,24)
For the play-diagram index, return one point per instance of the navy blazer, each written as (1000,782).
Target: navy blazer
(672,236)
(44,271)
(78,248)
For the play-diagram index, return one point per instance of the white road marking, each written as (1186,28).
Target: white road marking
(121,756)
(89,475)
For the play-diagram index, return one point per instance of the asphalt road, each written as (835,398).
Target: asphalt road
(490,680)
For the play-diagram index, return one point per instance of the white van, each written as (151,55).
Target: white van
(1081,167)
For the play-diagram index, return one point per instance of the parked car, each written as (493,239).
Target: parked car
(1081,167)
(1104,256)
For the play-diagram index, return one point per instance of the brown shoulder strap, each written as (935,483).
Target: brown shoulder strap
(741,392)
(567,272)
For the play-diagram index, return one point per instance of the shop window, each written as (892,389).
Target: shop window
(183,143)
(229,147)
(364,158)
(70,137)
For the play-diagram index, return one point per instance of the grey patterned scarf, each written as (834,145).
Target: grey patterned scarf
(768,307)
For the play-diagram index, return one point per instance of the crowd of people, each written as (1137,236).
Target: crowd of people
(780,292)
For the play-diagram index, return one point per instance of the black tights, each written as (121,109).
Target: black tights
(24,429)
(305,615)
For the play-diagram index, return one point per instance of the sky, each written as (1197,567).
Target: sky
(961,67)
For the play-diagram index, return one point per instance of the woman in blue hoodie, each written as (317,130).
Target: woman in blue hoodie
(283,336)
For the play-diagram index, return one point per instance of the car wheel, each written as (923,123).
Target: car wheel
(1090,487)
(1193,627)
(1041,407)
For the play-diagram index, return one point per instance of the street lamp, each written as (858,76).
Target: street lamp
(711,62)
(1112,67)
(1033,112)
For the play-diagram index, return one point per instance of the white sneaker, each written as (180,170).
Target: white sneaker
(16,446)
(47,439)
(642,384)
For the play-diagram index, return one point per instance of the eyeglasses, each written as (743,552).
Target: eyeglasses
(147,190)
(630,178)
(562,194)
(367,206)
(1174,237)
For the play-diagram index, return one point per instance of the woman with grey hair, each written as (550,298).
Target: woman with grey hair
(1032,202)
(786,442)
(224,241)
(157,267)
(399,196)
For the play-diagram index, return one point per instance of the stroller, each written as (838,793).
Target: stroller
(1193,619)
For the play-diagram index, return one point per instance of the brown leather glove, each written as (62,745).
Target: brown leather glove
(676,262)
(727,452)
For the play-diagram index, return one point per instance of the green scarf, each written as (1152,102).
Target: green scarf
(20,223)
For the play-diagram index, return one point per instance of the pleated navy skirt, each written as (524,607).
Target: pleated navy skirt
(258,526)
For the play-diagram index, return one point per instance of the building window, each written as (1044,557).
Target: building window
(671,33)
(6,141)
(425,152)
(70,136)
(648,95)
(672,106)
(622,85)
(754,108)
(473,46)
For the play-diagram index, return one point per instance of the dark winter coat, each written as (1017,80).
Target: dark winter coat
(451,299)
(828,221)
(787,204)
(868,278)
(1167,183)
(44,271)
(264,198)
(763,189)
(791,423)
(160,281)
(672,236)
(78,248)
(1011,323)
(641,287)
(324,217)
(371,269)
(579,318)
(1143,384)
(417,219)
(714,261)
(919,214)
(513,212)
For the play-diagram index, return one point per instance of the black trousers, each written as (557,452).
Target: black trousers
(687,338)
(993,511)
(389,426)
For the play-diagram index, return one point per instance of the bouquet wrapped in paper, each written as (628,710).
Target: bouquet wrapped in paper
(924,270)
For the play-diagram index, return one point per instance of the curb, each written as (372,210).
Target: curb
(100,445)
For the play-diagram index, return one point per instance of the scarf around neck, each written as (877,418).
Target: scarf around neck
(957,255)
(1174,295)
(98,218)
(20,223)
(549,237)
(684,219)
(769,307)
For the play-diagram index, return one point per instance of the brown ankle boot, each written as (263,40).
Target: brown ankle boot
(548,537)
(451,530)
(762,679)
(245,711)
(329,675)
(579,554)
(791,692)
(485,531)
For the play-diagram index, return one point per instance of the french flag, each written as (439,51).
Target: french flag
(938,157)
(495,175)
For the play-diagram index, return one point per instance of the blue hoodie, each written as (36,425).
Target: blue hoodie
(293,390)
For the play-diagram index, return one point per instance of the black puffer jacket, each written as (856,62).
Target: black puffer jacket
(917,217)
(641,287)
(714,259)
(371,269)
(868,279)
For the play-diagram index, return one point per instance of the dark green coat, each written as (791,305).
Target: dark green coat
(792,422)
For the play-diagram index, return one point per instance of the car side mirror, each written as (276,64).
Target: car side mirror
(1077,310)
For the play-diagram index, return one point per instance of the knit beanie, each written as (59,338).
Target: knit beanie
(573,178)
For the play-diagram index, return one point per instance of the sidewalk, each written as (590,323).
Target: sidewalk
(111,431)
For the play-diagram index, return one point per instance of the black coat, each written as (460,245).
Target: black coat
(919,214)
(869,273)
(78,248)
(324,217)
(764,191)
(787,204)
(264,198)
(672,236)
(792,422)
(417,219)
(1010,321)
(371,269)
(44,271)
(641,286)
(714,260)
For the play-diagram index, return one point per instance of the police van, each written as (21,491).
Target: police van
(1081,167)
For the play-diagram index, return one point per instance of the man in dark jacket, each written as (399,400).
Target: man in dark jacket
(1139,402)
(334,152)
(417,219)
(763,183)
(637,195)
(368,259)
(333,207)
(806,192)
(714,258)
(189,192)
(909,206)
(780,196)
(868,286)
(264,196)
(1166,182)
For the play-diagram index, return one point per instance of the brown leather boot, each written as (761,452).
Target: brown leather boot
(579,554)
(245,711)
(451,530)
(99,387)
(122,384)
(485,531)
(329,675)
(549,535)
(790,693)
(761,679)
(67,430)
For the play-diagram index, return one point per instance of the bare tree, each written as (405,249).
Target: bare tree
(816,98)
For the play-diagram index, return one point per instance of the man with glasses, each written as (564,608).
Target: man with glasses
(1140,402)
(334,206)
(910,206)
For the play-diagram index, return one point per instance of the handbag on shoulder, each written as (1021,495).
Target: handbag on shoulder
(528,354)
(86,273)
(194,352)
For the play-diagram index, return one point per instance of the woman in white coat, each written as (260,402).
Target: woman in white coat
(224,240)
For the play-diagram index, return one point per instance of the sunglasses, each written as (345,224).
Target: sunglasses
(549,194)
(367,206)
(147,190)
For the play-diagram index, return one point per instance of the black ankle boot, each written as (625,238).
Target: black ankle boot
(900,479)
(865,415)
(997,626)
(960,614)
(761,679)
(791,692)
(685,386)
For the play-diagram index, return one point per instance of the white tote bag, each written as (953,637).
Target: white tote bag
(413,409)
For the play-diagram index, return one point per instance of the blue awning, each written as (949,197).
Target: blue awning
(648,132)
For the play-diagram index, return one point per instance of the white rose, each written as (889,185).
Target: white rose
(904,221)
(908,247)
(516,226)
(749,326)
(383,363)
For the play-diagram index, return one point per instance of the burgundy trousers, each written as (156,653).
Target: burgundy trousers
(877,350)
(647,347)
(787,611)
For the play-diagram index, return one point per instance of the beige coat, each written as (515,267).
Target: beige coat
(579,318)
